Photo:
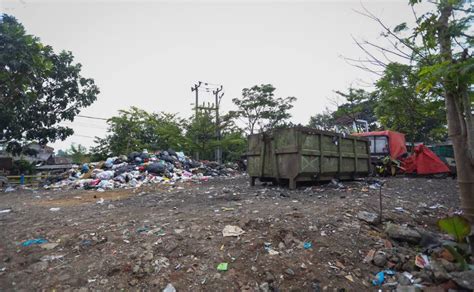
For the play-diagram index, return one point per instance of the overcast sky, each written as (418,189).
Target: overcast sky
(148,54)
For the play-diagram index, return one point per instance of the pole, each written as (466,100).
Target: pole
(218,130)
(195,89)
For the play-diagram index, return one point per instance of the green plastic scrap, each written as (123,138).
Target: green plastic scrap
(222,267)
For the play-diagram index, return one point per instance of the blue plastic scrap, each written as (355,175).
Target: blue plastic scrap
(308,245)
(380,277)
(34,241)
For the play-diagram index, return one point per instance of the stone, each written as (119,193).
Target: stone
(148,256)
(368,217)
(39,266)
(49,245)
(64,277)
(290,272)
(464,279)
(281,245)
(380,259)
(264,287)
(403,280)
(448,266)
(402,233)
(439,273)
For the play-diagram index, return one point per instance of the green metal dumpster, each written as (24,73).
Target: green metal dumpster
(304,154)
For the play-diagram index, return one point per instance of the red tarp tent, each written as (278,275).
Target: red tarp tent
(424,161)
(396,141)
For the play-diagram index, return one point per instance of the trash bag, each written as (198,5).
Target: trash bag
(171,152)
(167,158)
(181,156)
(110,162)
(156,168)
(85,168)
(144,155)
(105,175)
(133,155)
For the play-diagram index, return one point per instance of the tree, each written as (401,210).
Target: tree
(261,110)
(324,121)
(201,132)
(359,105)
(78,153)
(38,88)
(136,129)
(439,47)
(401,108)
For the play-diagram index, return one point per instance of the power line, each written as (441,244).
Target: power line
(86,125)
(83,136)
(89,117)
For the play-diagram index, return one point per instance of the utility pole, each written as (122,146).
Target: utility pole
(195,89)
(218,126)
(209,108)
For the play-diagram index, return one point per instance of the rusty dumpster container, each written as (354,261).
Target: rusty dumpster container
(299,154)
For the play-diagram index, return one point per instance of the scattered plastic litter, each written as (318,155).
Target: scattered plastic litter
(307,245)
(231,230)
(380,277)
(50,258)
(422,261)
(5,211)
(34,241)
(400,209)
(9,189)
(54,209)
(222,267)
(169,288)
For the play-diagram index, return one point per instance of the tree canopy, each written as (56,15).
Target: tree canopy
(261,110)
(38,88)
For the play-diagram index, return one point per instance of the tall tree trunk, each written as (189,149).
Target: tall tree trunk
(458,126)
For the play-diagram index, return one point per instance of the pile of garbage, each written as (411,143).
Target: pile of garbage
(437,261)
(138,169)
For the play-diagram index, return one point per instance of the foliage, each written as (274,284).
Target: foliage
(136,129)
(324,121)
(359,105)
(100,151)
(23,167)
(261,110)
(201,134)
(401,108)
(457,226)
(38,88)
(78,154)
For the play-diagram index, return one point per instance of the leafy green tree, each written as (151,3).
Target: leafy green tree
(359,105)
(401,108)
(101,150)
(449,64)
(201,132)
(440,46)
(78,153)
(261,110)
(136,129)
(38,88)
(324,121)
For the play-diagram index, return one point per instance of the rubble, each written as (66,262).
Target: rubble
(402,233)
(160,234)
(368,217)
(464,279)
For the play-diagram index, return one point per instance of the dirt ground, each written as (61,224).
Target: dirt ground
(149,237)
